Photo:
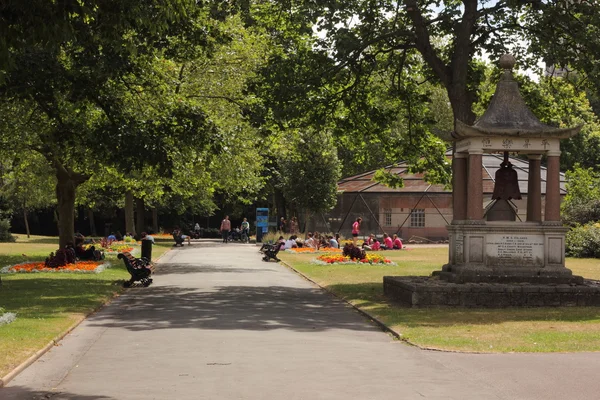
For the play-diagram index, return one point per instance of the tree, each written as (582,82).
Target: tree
(309,172)
(27,183)
(581,205)
(107,81)
(337,55)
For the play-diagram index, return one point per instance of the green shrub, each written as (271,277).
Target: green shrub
(583,241)
(5,235)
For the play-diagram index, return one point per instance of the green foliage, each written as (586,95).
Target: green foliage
(309,171)
(5,235)
(28,182)
(583,241)
(388,179)
(581,205)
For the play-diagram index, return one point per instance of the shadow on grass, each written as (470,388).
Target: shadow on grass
(255,308)
(21,392)
(42,241)
(36,297)
(369,296)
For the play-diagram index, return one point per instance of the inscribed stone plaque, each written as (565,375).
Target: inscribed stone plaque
(524,249)
(458,248)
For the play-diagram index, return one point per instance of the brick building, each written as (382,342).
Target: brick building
(417,210)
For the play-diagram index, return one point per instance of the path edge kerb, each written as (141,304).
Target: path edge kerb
(33,358)
(375,320)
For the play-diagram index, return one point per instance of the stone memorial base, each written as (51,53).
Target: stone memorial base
(418,291)
(502,252)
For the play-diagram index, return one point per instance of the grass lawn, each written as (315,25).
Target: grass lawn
(564,329)
(47,304)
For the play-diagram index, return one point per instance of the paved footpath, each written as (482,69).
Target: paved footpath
(218,323)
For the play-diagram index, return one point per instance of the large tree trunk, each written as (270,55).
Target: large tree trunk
(140,221)
(92,222)
(65,194)
(26,222)
(461,101)
(279,204)
(129,224)
(155,219)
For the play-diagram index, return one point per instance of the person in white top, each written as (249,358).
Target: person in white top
(310,241)
(291,242)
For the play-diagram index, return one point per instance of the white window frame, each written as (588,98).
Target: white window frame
(417,218)
(387,216)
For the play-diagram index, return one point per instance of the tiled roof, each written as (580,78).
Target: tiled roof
(414,183)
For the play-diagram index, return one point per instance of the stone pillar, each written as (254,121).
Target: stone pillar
(475,187)
(459,192)
(534,189)
(553,187)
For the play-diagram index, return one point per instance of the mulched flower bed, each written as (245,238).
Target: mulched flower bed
(39,266)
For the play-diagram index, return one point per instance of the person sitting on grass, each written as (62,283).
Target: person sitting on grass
(387,242)
(84,254)
(368,242)
(291,242)
(333,243)
(376,245)
(397,242)
(310,241)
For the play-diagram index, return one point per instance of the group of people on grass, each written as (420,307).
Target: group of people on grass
(372,243)
(316,241)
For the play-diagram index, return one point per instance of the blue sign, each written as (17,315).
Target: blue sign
(262,218)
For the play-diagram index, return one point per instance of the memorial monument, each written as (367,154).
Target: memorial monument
(495,260)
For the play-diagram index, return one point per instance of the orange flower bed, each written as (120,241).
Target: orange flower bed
(302,250)
(333,258)
(81,266)
(341,259)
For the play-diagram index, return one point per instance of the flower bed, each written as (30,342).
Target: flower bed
(121,248)
(81,266)
(311,250)
(341,259)
(301,250)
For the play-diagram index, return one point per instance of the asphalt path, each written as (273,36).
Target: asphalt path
(219,323)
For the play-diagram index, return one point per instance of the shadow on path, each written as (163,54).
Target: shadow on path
(230,308)
(168,269)
(24,393)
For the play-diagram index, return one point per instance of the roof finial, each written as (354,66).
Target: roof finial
(507,61)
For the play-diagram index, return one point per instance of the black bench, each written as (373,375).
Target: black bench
(270,251)
(139,268)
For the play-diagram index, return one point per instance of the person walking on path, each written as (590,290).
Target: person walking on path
(225,228)
(356,229)
(282,225)
(245,229)
(294,226)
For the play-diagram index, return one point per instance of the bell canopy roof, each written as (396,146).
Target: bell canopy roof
(508,115)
